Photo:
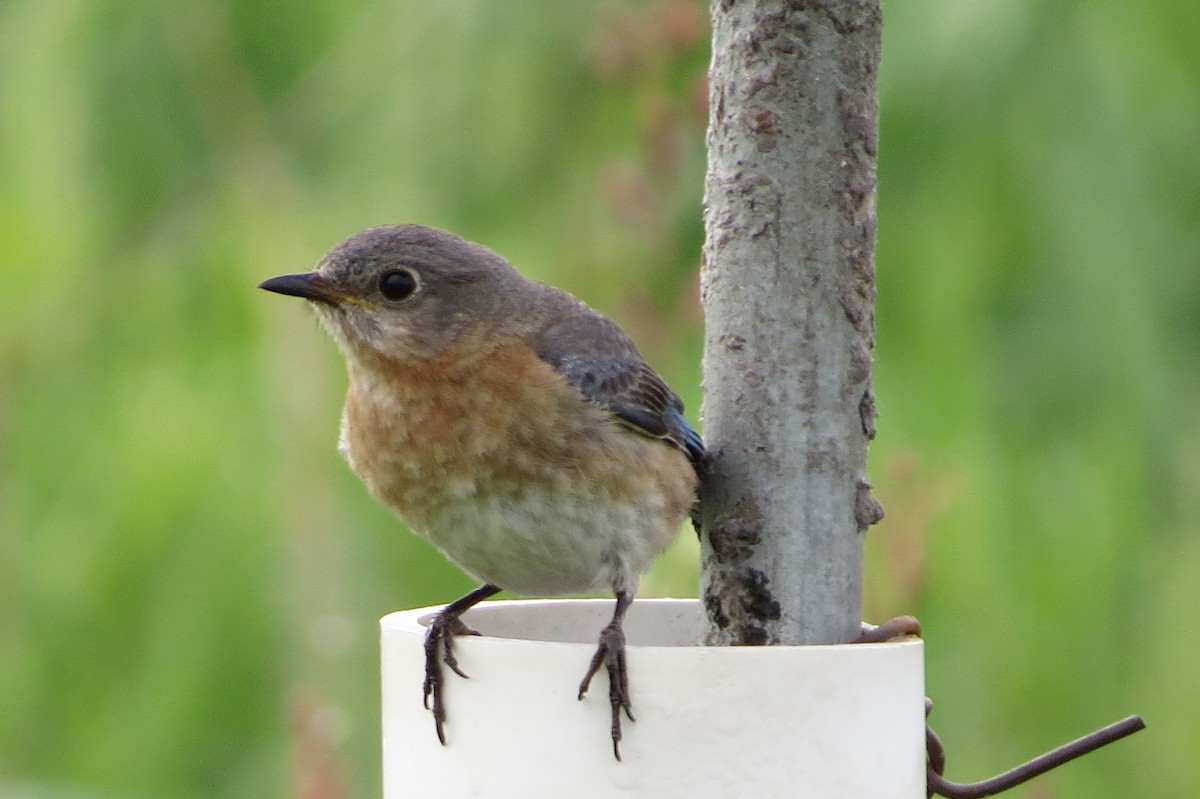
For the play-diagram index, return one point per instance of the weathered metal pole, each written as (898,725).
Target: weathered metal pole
(789,292)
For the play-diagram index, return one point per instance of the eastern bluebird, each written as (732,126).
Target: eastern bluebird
(512,426)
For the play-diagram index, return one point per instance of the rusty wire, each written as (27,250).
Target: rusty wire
(936,760)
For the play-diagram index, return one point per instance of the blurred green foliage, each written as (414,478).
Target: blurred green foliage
(189,576)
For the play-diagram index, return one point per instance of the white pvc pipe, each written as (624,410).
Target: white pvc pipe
(721,722)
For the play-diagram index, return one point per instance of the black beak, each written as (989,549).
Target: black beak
(309,285)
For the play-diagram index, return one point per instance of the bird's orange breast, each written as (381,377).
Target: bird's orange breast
(423,433)
(507,468)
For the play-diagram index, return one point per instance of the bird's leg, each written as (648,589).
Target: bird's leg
(611,654)
(439,649)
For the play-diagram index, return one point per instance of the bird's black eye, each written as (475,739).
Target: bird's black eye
(397,284)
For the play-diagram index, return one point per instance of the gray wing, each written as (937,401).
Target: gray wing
(595,356)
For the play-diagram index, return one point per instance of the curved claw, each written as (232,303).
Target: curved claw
(439,651)
(611,654)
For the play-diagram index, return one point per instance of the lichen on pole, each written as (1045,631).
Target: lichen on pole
(788,287)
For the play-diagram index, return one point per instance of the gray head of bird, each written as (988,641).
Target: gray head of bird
(404,292)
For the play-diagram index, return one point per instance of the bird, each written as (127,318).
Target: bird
(515,428)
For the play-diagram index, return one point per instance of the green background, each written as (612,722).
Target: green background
(190,578)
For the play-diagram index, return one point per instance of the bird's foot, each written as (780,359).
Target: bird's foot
(899,627)
(439,651)
(611,654)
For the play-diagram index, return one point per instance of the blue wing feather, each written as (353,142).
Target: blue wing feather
(596,357)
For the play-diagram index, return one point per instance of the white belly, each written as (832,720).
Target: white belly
(540,545)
